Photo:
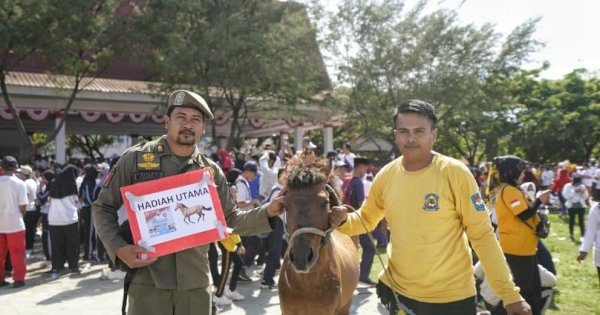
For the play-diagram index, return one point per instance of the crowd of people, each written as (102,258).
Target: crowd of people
(59,203)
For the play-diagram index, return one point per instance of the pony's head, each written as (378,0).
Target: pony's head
(307,203)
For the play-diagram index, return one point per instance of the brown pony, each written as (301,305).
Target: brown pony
(320,268)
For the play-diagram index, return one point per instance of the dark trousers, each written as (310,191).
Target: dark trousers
(253,245)
(88,234)
(46,247)
(368,251)
(579,212)
(467,306)
(65,246)
(31,220)
(563,207)
(275,241)
(526,276)
(545,258)
(227,258)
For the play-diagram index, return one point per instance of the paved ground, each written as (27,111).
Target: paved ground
(87,294)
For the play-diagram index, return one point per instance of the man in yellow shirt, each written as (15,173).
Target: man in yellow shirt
(433,207)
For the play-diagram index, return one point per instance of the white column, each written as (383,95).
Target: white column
(298,135)
(60,141)
(222,142)
(283,138)
(328,138)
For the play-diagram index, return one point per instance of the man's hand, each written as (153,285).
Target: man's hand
(277,205)
(518,308)
(337,216)
(581,256)
(128,254)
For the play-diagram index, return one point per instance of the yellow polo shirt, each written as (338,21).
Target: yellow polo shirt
(516,238)
(428,213)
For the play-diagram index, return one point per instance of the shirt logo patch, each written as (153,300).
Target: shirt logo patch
(148,161)
(478,202)
(515,203)
(431,202)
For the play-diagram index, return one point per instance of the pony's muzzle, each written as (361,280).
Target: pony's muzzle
(303,258)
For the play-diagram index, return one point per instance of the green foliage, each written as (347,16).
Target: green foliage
(559,119)
(90,145)
(239,55)
(74,39)
(390,56)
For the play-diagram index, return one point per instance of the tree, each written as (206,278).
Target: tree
(90,145)
(390,56)
(241,56)
(558,119)
(75,39)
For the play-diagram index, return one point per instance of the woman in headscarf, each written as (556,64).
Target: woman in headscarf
(88,192)
(517,219)
(63,220)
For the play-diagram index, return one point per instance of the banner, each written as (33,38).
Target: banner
(175,213)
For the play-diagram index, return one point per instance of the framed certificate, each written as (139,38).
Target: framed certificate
(175,212)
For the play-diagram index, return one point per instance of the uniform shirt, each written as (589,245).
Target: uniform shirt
(428,212)
(516,238)
(268,178)
(13,193)
(183,270)
(32,188)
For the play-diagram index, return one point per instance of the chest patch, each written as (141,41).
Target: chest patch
(147,161)
(431,202)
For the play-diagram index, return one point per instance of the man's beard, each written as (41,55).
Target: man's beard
(183,140)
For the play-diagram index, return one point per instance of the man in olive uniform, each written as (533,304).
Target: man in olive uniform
(177,283)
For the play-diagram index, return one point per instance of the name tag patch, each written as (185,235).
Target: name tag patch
(142,176)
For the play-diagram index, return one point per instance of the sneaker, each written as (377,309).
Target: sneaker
(18,284)
(233,295)
(4,283)
(221,300)
(54,274)
(243,276)
(268,285)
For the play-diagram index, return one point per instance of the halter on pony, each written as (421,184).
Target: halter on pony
(334,201)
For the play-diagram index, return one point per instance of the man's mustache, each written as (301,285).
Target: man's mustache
(186,132)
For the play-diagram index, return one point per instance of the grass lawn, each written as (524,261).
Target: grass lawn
(578,288)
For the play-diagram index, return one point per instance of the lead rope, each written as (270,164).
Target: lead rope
(401,306)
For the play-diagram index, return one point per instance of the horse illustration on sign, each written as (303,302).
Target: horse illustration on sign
(188,212)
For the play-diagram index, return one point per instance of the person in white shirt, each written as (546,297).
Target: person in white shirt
(269,164)
(547,177)
(592,237)
(252,244)
(13,205)
(347,156)
(63,219)
(576,196)
(32,216)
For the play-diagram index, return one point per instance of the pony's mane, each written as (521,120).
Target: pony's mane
(305,172)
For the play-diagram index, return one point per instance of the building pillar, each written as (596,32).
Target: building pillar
(283,138)
(298,135)
(60,140)
(134,139)
(327,138)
